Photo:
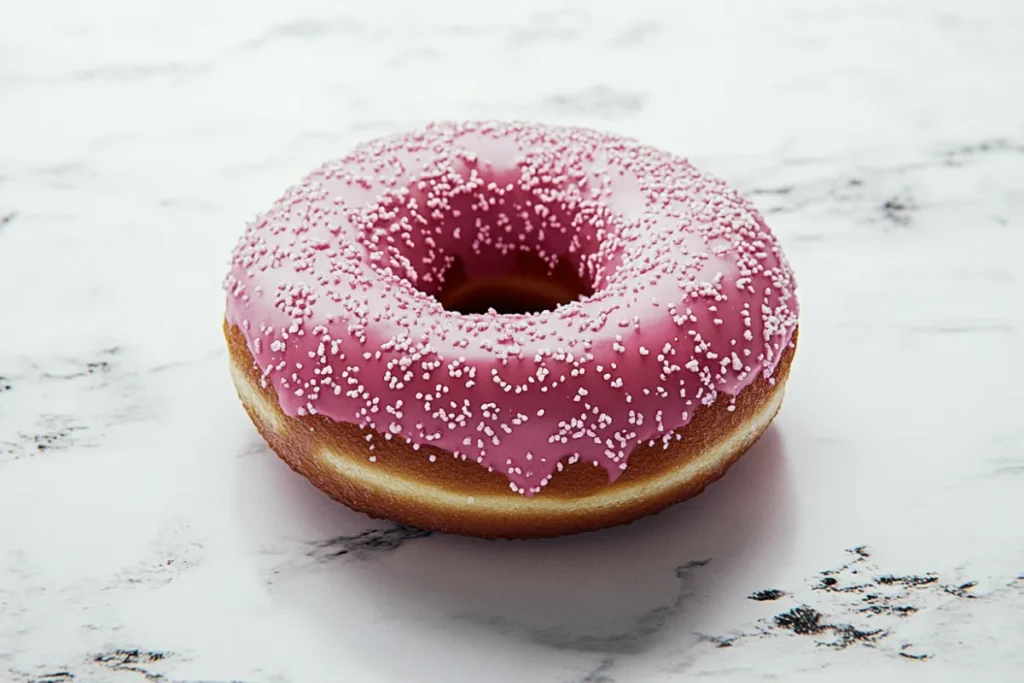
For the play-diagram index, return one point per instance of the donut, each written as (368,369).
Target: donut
(510,330)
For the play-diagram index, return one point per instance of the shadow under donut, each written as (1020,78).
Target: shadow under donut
(618,591)
(615,590)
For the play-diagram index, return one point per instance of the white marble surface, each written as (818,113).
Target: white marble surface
(147,533)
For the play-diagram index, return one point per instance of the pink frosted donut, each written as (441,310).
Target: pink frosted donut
(443,320)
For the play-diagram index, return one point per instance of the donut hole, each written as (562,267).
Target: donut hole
(530,287)
(482,240)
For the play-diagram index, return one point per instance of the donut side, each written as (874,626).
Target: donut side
(431,489)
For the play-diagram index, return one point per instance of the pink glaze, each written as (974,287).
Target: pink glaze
(332,288)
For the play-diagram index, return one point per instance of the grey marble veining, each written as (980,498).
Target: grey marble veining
(146,532)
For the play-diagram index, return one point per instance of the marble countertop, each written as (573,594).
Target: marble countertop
(146,533)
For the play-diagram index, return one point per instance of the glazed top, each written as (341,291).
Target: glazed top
(692,298)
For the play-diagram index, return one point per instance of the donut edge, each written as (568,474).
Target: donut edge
(452,496)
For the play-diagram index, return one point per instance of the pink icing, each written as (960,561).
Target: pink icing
(332,289)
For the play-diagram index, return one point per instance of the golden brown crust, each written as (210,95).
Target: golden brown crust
(455,496)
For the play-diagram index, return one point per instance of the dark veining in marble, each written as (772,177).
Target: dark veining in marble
(907,581)
(882,194)
(109,398)
(366,544)
(218,355)
(864,605)
(174,551)
(896,209)
(781,191)
(638,637)
(831,193)
(143,663)
(962,591)
(718,641)
(801,620)
(1009,458)
(767,595)
(361,547)
(56,439)
(50,433)
(959,155)
(100,365)
(48,677)
(136,661)
(1010,468)
(118,661)
(806,621)
(601,674)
